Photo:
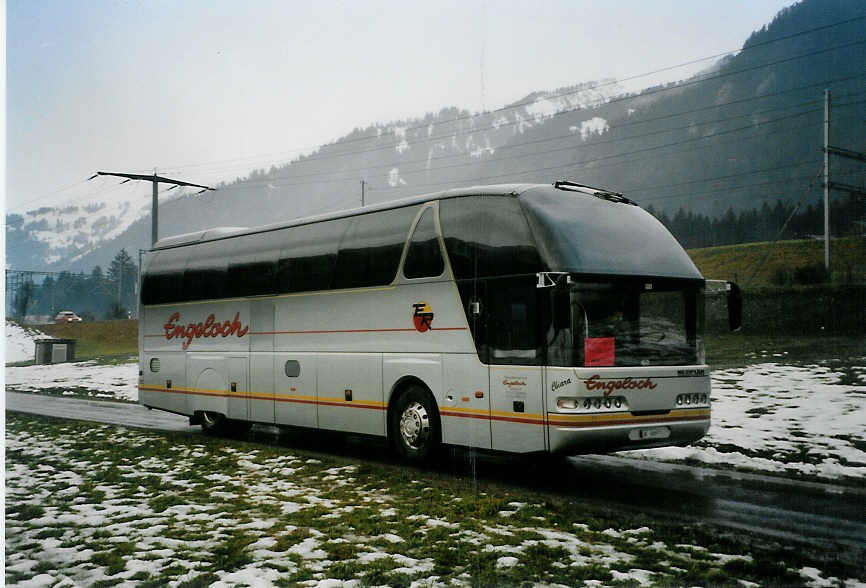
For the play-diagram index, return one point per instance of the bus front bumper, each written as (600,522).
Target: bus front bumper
(641,433)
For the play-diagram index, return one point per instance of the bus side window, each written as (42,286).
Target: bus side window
(424,259)
(371,248)
(561,331)
(308,255)
(487,236)
(513,322)
(205,273)
(165,285)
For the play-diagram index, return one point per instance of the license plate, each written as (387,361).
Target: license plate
(649,433)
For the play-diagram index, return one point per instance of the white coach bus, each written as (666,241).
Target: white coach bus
(521,318)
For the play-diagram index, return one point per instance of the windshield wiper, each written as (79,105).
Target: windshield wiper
(602,193)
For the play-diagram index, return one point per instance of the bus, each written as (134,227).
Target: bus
(519,318)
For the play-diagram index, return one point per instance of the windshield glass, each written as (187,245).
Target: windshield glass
(627,323)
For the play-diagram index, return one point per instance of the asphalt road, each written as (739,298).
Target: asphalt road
(825,518)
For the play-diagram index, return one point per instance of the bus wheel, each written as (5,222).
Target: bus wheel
(212,423)
(415,425)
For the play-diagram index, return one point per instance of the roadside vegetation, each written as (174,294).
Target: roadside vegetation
(106,342)
(100,505)
(787,262)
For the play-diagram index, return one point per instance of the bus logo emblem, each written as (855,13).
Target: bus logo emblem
(423,317)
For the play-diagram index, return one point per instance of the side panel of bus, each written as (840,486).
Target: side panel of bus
(349,392)
(517,408)
(296,382)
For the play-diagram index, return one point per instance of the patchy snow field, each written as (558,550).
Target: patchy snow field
(90,504)
(779,418)
(20,343)
(83,378)
(767,417)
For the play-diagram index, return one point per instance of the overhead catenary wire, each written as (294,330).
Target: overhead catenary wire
(702,79)
(570,92)
(568,148)
(368,169)
(782,230)
(593,144)
(511,175)
(332,178)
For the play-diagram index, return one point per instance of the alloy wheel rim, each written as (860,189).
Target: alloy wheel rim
(414,425)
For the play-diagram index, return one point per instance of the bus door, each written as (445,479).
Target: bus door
(515,356)
(262,368)
(465,408)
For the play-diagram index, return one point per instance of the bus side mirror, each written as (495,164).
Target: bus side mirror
(735,306)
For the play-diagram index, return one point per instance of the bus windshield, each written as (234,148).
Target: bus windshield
(627,323)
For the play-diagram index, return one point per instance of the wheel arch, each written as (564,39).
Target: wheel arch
(399,387)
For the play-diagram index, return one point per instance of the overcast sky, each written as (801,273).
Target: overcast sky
(209,89)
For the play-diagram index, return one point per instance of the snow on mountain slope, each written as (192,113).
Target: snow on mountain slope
(92,213)
(97,212)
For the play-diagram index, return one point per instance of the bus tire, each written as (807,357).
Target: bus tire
(214,423)
(415,428)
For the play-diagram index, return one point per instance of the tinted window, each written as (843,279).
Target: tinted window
(252,269)
(165,282)
(308,256)
(487,234)
(583,234)
(513,322)
(370,250)
(205,273)
(424,258)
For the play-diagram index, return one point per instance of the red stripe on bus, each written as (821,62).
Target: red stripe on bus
(341,331)
(537,421)
(351,404)
(352,331)
(347,404)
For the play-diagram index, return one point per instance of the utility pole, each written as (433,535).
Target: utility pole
(156,180)
(362,193)
(827,181)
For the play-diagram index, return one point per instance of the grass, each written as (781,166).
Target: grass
(737,262)
(106,341)
(301,515)
(739,349)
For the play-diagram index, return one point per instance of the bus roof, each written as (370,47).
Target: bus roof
(224,232)
(576,228)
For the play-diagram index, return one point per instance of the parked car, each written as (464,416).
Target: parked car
(67,316)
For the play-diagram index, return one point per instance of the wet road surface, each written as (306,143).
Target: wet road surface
(829,519)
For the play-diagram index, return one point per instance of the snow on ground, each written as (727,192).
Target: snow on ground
(782,418)
(91,504)
(766,417)
(20,343)
(114,382)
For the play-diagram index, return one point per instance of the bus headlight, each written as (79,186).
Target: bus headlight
(693,399)
(602,403)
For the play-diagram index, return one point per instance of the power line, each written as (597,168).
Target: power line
(548,152)
(289,182)
(570,92)
(319,159)
(571,135)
